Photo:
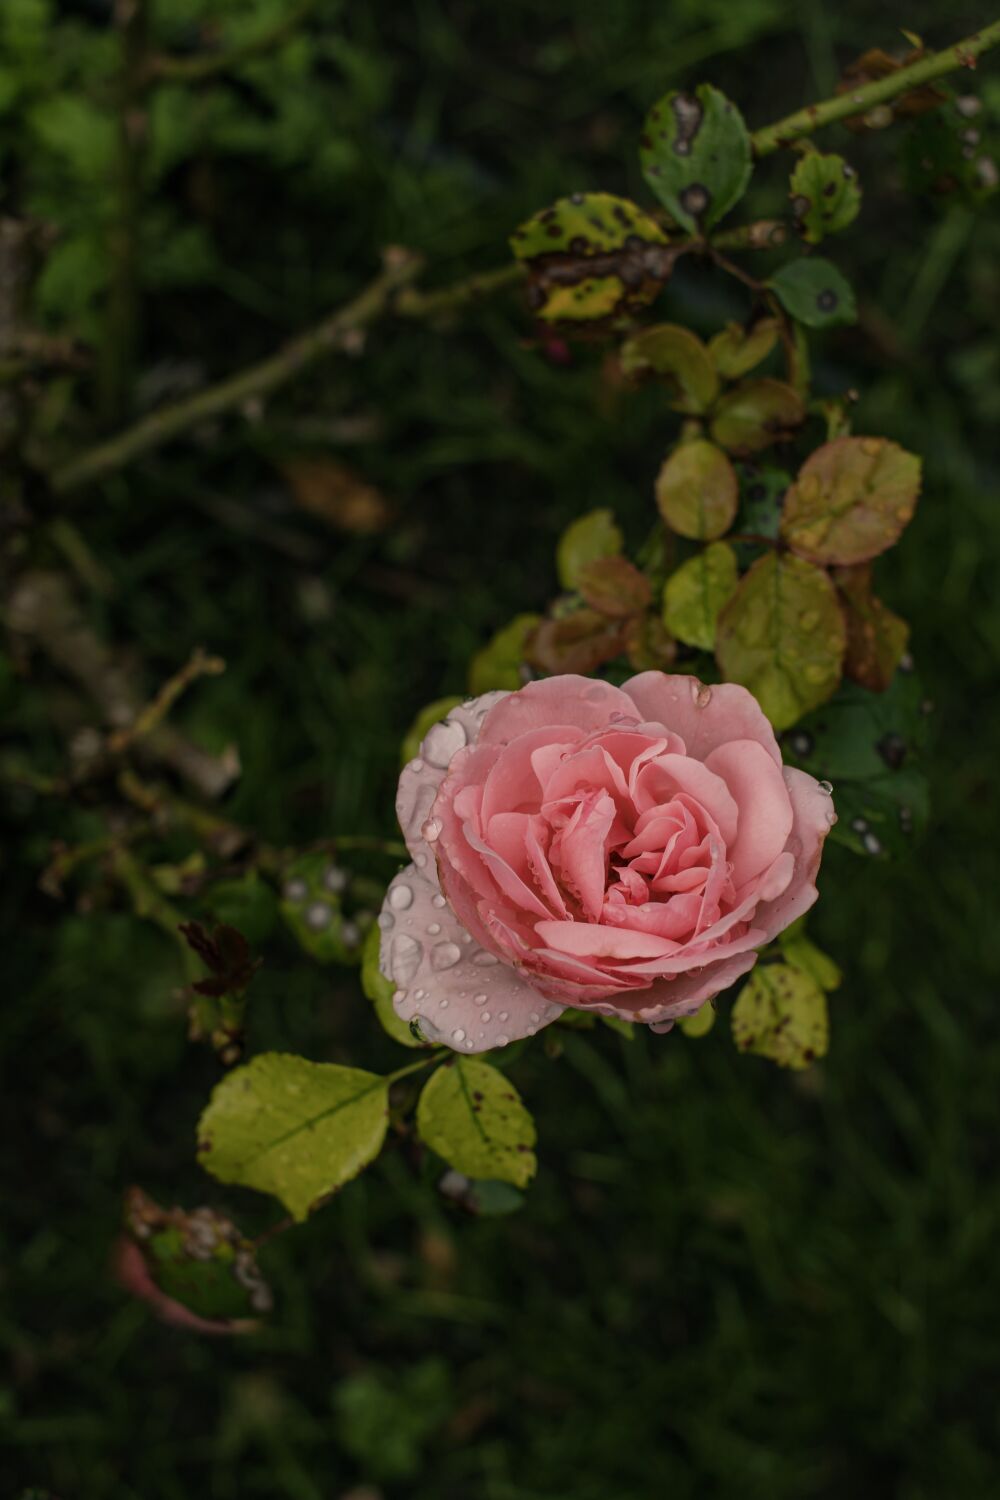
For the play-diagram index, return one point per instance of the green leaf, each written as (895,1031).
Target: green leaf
(294,1128)
(473,1117)
(737,350)
(79,132)
(668,350)
(623,1028)
(782,636)
(614,587)
(701,1023)
(762,491)
(876,638)
(587,538)
(311,907)
(939,157)
(248,904)
(425,721)
(851,500)
(695,595)
(591,256)
(870,746)
(757,413)
(697,490)
(802,953)
(380,991)
(781,1013)
(814,292)
(696,156)
(825,195)
(477,1195)
(500,662)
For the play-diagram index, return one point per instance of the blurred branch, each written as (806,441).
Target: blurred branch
(147,720)
(858,101)
(339,331)
(201,66)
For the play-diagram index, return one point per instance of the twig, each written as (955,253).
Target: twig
(207,65)
(858,101)
(155,712)
(335,332)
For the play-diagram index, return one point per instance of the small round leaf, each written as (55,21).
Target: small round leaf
(615,587)
(472,1116)
(695,595)
(781,1013)
(851,500)
(697,490)
(669,350)
(757,413)
(825,195)
(588,537)
(738,350)
(696,156)
(814,292)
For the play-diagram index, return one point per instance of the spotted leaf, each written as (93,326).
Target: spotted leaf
(696,155)
(472,1116)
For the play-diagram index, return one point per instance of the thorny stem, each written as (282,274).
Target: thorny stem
(860,100)
(392,291)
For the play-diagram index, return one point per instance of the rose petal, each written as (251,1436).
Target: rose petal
(813,815)
(421,778)
(703,717)
(672,775)
(591,940)
(765,810)
(457,991)
(584,701)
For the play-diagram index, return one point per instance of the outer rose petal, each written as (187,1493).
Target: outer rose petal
(728,713)
(814,816)
(765,811)
(583,701)
(459,993)
(420,778)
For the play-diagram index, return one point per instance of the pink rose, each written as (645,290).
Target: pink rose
(622,850)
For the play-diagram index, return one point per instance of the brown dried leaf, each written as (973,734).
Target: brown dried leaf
(337,495)
(697,490)
(579,642)
(851,500)
(615,587)
(876,638)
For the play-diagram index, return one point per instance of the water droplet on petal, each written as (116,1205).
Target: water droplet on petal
(443,742)
(431,830)
(434,929)
(483,959)
(479,999)
(826,786)
(438,901)
(404,958)
(503,1041)
(504,1014)
(445,955)
(458,1035)
(400,897)
(416,766)
(386,920)
(486,1016)
(701,693)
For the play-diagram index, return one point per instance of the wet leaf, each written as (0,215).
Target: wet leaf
(380,990)
(876,638)
(294,1128)
(425,720)
(762,492)
(757,413)
(579,642)
(592,256)
(738,350)
(814,292)
(697,490)
(587,538)
(473,1117)
(311,906)
(614,587)
(696,156)
(782,636)
(678,355)
(851,500)
(870,746)
(695,595)
(825,195)
(501,661)
(781,1013)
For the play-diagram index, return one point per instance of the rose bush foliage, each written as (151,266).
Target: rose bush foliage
(620,850)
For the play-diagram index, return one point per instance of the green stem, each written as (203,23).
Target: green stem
(422,1062)
(860,100)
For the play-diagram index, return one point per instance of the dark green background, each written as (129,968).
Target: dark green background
(728,1281)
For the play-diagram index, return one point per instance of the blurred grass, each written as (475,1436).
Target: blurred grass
(727,1282)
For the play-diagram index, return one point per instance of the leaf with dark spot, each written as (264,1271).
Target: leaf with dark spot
(696,155)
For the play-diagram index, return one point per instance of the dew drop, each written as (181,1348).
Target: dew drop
(335,879)
(296,890)
(458,1035)
(445,955)
(826,786)
(534,1017)
(400,897)
(431,830)
(597,693)
(420,860)
(386,920)
(442,1005)
(486,1016)
(484,959)
(443,742)
(434,929)
(503,1041)
(479,999)
(701,693)
(504,1015)
(419,994)
(405,956)
(319,915)
(438,901)
(416,766)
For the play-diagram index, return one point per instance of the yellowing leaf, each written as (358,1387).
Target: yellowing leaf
(701,1023)
(694,596)
(851,500)
(876,638)
(782,636)
(781,1013)
(737,350)
(614,587)
(293,1128)
(668,350)
(472,1116)
(755,414)
(587,538)
(499,663)
(697,490)
(825,195)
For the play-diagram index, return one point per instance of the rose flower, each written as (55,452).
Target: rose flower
(620,850)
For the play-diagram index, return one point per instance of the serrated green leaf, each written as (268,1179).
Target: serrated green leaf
(782,636)
(500,662)
(695,595)
(814,292)
(669,350)
(473,1117)
(380,991)
(851,500)
(755,414)
(697,490)
(825,195)
(696,156)
(586,539)
(781,1013)
(424,721)
(294,1128)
